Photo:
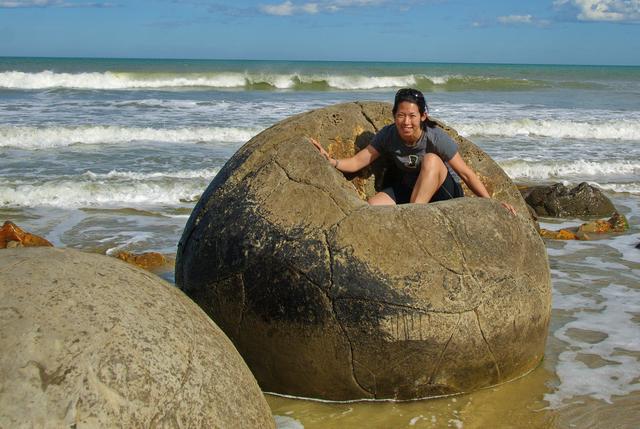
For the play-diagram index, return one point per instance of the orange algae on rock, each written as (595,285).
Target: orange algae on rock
(562,234)
(147,260)
(12,235)
(616,223)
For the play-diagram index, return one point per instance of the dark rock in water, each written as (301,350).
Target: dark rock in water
(91,342)
(327,297)
(558,200)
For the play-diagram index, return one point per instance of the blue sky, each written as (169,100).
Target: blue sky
(542,31)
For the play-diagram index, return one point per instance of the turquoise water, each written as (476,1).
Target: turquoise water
(110,154)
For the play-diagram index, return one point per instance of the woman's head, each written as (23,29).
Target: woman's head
(410,95)
(409,114)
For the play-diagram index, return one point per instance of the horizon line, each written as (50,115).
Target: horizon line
(62,57)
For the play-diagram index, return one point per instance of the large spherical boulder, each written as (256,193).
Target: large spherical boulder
(327,297)
(90,341)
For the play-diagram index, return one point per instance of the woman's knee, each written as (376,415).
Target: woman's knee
(433,164)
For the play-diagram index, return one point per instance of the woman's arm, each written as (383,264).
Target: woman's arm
(350,165)
(471,179)
(468,176)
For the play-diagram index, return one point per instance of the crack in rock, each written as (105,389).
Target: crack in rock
(13,265)
(367,117)
(329,250)
(493,357)
(243,312)
(352,354)
(341,326)
(451,230)
(313,185)
(401,306)
(409,226)
(444,349)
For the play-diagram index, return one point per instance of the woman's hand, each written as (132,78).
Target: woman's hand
(509,207)
(319,147)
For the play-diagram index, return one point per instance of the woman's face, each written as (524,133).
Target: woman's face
(408,120)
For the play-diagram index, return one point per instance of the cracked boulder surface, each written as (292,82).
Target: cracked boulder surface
(90,341)
(327,297)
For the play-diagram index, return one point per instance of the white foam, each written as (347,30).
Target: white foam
(458,424)
(86,191)
(622,129)
(127,239)
(57,136)
(110,80)
(597,173)
(626,245)
(632,188)
(206,173)
(285,422)
(438,80)
(370,82)
(415,420)
(618,376)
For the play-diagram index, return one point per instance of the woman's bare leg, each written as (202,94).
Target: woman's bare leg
(381,199)
(433,173)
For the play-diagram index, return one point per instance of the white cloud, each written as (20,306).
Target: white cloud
(289,8)
(26,3)
(310,8)
(12,4)
(516,19)
(605,10)
(282,9)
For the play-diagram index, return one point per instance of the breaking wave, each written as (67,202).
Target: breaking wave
(609,175)
(115,189)
(616,130)
(110,80)
(59,136)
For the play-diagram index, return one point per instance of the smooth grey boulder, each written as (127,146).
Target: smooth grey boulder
(558,200)
(327,297)
(90,341)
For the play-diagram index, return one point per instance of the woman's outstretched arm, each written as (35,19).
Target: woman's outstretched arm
(471,179)
(352,164)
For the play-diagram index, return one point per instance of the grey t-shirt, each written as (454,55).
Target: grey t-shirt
(409,158)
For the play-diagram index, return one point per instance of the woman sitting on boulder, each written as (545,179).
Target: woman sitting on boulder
(418,151)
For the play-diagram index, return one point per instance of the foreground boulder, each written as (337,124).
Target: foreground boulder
(327,297)
(90,341)
(558,200)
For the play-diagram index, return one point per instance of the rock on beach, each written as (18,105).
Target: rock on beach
(90,341)
(558,200)
(327,297)
(11,235)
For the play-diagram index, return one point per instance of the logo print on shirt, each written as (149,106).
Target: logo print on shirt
(413,161)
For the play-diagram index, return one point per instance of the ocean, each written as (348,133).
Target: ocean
(112,154)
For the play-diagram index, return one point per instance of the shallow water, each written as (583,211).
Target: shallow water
(107,155)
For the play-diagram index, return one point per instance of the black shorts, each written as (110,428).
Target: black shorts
(401,192)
